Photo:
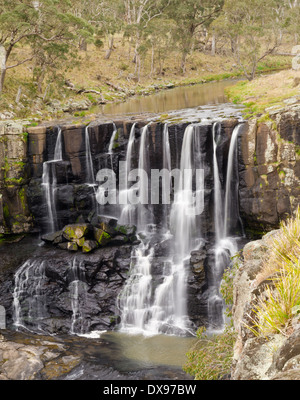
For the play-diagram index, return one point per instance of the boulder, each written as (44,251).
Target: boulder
(127,230)
(89,245)
(101,236)
(75,231)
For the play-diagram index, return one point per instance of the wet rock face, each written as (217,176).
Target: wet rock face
(14,177)
(51,279)
(270,170)
(74,197)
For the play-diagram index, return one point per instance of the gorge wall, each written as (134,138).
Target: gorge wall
(268,188)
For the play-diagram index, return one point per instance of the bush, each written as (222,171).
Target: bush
(211,356)
(280,302)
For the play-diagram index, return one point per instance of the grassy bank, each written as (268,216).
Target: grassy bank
(265,92)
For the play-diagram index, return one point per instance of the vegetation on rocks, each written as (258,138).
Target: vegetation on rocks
(274,311)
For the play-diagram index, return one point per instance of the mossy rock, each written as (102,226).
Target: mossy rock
(102,237)
(89,245)
(127,230)
(75,231)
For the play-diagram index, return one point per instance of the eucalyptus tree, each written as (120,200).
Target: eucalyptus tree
(105,16)
(25,23)
(138,15)
(189,16)
(254,30)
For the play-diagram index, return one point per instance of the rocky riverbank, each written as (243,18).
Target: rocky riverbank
(275,356)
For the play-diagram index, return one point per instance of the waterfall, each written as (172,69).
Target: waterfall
(49,182)
(128,210)
(135,299)
(232,215)
(218,204)
(90,177)
(112,139)
(78,291)
(29,303)
(182,221)
(58,147)
(166,167)
(225,246)
(145,304)
(169,312)
(144,169)
(111,145)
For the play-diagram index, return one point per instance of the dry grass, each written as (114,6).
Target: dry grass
(279,304)
(285,246)
(266,91)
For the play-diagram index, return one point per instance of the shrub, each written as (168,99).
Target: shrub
(280,301)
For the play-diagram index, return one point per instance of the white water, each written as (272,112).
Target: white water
(49,183)
(78,291)
(128,210)
(165,310)
(90,177)
(218,203)
(29,305)
(225,246)
(58,147)
(232,178)
(182,220)
(112,140)
(143,166)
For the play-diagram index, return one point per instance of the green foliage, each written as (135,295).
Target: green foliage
(245,23)
(280,302)
(211,356)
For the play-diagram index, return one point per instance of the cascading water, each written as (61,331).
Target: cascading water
(90,177)
(29,305)
(49,183)
(143,207)
(165,309)
(218,203)
(232,216)
(128,210)
(225,246)
(78,290)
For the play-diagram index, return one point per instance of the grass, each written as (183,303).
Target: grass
(91,71)
(264,92)
(211,356)
(280,302)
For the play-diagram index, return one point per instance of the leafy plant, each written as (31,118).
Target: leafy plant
(279,302)
(211,356)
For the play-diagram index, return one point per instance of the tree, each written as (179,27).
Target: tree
(253,28)
(188,17)
(138,15)
(23,22)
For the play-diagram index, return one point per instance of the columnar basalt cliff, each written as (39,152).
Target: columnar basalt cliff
(15,216)
(270,169)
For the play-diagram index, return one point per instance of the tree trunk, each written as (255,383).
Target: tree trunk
(183,63)
(3,60)
(110,47)
(213,45)
(82,44)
